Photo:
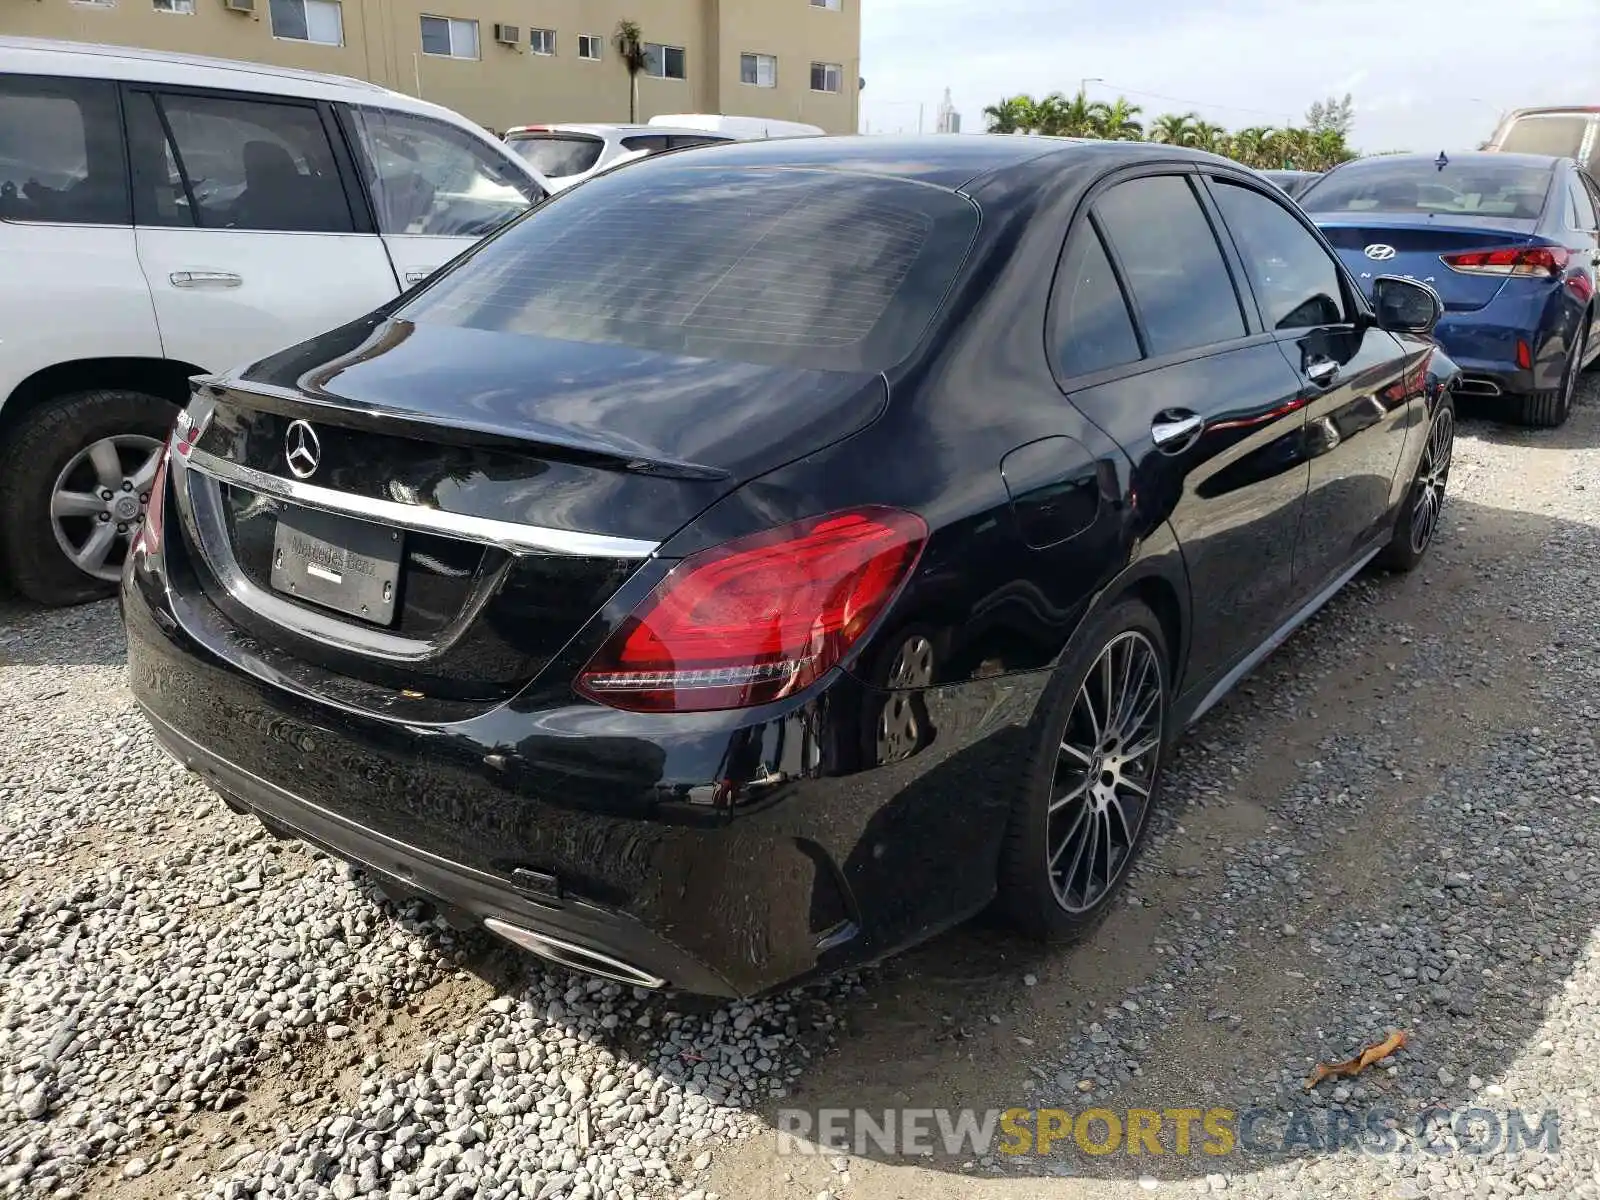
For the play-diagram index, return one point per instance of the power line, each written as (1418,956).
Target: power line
(1260,112)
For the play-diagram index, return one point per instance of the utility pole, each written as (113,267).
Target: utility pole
(920,107)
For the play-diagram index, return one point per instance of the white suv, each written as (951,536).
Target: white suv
(164,216)
(569,154)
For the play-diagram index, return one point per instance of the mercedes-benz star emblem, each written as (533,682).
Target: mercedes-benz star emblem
(1379,251)
(302,449)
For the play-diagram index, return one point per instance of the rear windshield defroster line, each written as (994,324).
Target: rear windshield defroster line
(787,267)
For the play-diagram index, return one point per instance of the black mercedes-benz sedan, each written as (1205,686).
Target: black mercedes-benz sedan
(758,560)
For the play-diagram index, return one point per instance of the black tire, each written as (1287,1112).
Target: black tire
(42,443)
(1418,521)
(1550,409)
(1028,891)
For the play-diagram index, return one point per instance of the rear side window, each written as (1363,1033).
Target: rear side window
(796,268)
(655,143)
(61,157)
(428,177)
(240,163)
(1582,214)
(1295,279)
(1171,262)
(1091,313)
(1478,188)
(1555,134)
(558,154)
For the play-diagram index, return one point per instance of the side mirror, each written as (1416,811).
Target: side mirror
(1405,306)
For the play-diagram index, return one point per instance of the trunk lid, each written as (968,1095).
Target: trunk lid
(521,480)
(1417,243)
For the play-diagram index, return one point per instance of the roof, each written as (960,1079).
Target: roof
(1464,158)
(1587,110)
(125,61)
(945,160)
(599,129)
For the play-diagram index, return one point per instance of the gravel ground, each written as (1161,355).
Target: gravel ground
(1395,824)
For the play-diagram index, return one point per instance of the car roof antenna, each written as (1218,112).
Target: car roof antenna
(1442,161)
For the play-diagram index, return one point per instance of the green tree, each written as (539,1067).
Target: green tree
(1175,129)
(1250,145)
(1014,115)
(1120,123)
(1332,114)
(629,41)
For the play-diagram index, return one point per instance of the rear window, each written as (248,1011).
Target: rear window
(787,267)
(1476,189)
(557,155)
(1556,134)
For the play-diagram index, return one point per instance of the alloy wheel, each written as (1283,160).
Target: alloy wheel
(1105,771)
(1569,376)
(899,725)
(100,498)
(1433,473)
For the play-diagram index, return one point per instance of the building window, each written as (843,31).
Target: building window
(542,41)
(590,46)
(758,70)
(185,7)
(447,37)
(827,77)
(664,62)
(831,4)
(320,21)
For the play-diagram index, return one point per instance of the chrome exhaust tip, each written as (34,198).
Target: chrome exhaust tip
(1472,385)
(576,958)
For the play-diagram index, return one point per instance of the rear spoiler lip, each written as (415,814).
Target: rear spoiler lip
(371,418)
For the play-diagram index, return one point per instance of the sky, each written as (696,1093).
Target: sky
(1426,75)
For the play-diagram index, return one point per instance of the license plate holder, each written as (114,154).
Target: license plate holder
(350,566)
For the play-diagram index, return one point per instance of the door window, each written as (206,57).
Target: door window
(1583,214)
(236,163)
(1171,263)
(1092,314)
(1296,281)
(431,178)
(61,151)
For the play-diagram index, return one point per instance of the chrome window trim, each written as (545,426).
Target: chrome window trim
(507,535)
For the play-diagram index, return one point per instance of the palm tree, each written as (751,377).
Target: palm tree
(629,41)
(1014,115)
(1049,115)
(1206,136)
(1082,117)
(1250,145)
(1174,129)
(1119,125)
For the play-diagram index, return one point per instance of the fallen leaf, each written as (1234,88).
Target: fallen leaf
(1360,1063)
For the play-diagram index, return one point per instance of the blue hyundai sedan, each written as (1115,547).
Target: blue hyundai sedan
(1511,242)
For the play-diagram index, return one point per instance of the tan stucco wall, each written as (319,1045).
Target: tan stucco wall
(511,85)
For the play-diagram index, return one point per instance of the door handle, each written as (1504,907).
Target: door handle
(1322,371)
(413,277)
(205,279)
(1174,430)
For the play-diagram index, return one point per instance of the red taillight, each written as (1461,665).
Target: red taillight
(1545,262)
(758,618)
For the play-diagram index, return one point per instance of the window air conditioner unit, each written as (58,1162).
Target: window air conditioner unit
(508,35)
(242,6)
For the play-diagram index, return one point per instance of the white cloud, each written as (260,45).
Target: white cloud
(1425,74)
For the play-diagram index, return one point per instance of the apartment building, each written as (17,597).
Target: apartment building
(514,62)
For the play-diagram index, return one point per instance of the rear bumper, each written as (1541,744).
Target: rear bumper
(713,857)
(1484,342)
